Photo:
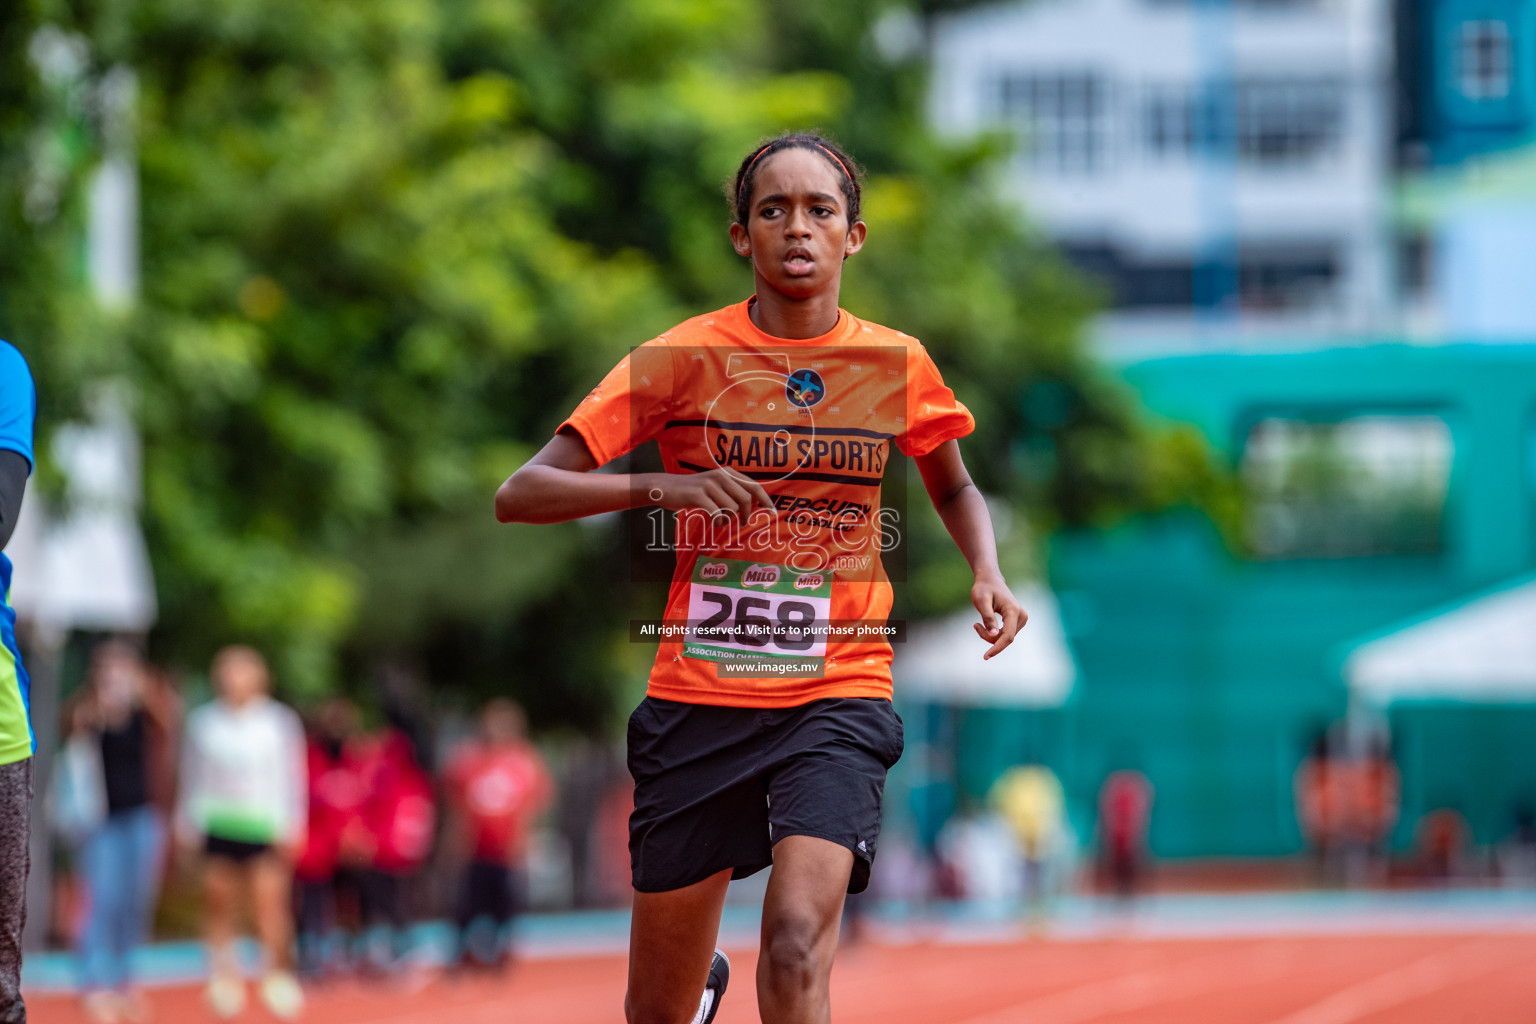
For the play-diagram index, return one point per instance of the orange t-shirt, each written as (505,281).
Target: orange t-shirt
(779,611)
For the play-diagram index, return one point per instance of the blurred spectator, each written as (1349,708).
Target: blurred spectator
(610,842)
(398,821)
(590,769)
(336,798)
(979,858)
(1517,854)
(243,801)
(902,874)
(1347,806)
(498,785)
(1444,840)
(118,733)
(1125,814)
(1030,800)
(1320,802)
(163,761)
(1374,788)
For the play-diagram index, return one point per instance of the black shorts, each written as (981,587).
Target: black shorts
(236,850)
(716,787)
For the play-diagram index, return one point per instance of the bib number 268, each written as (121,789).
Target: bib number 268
(760,621)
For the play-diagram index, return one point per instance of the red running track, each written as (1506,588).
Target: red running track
(1396,979)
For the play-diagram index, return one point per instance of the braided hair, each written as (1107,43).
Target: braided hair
(740,192)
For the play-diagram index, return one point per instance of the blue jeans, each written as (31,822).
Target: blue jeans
(121,862)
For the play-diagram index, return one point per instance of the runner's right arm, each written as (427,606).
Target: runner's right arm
(558,484)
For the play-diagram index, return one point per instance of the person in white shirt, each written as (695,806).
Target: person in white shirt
(243,804)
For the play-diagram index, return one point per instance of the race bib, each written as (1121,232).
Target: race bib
(758,614)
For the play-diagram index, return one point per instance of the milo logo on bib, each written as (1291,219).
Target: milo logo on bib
(760,618)
(760,576)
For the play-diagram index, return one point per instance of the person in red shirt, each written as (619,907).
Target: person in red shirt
(1322,800)
(336,797)
(767,727)
(1375,802)
(1443,840)
(1125,813)
(391,840)
(498,784)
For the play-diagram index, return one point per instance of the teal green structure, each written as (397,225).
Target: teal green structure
(1467,76)
(1210,671)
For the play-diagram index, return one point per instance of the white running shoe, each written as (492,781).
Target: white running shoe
(714,988)
(226,996)
(282,995)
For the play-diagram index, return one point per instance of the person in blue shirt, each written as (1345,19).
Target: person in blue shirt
(18,410)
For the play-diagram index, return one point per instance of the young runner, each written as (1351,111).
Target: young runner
(767,729)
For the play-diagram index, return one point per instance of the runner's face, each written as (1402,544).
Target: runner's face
(797,232)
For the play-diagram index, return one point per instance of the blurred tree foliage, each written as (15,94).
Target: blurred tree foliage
(388,245)
(45,145)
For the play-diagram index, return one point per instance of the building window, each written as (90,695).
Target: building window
(1367,485)
(1287,120)
(1061,117)
(1287,278)
(1169,117)
(1415,265)
(1167,127)
(1135,282)
(1270,278)
(1256,121)
(1484,59)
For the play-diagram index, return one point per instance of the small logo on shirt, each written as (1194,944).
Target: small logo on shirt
(804,388)
(713,571)
(763,576)
(810,581)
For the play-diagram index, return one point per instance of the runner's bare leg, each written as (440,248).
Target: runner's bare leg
(801,915)
(671,942)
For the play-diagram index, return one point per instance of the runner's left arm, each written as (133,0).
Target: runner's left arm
(964,512)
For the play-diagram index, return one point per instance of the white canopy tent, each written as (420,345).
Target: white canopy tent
(941,661)
(89,567)
(1482,650)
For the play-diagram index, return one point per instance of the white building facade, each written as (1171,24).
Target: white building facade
(1221,166)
